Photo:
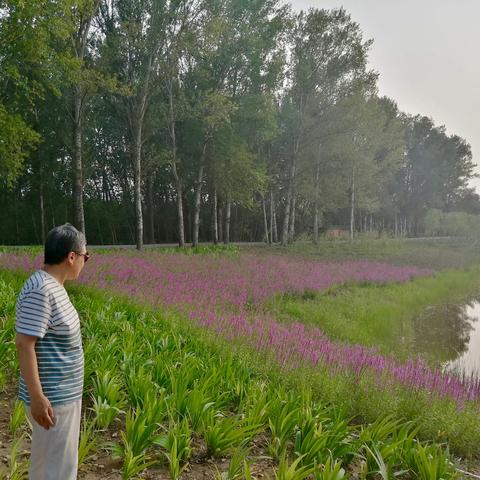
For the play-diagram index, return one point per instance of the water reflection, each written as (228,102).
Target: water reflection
(450,336)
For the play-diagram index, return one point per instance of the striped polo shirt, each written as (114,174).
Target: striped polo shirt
(45,311)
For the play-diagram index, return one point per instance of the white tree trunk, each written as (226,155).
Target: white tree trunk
(291,229)
(137,162)
(316,207)
(265,222)
(352,206)
(178,180)
(196,214)
(215,217)
(227,220)
(221,237)
(78,210)
(271,217)
(288,201)
(42,211)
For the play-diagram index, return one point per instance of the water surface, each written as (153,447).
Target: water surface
(450,337)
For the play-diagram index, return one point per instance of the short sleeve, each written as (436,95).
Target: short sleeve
(34,313)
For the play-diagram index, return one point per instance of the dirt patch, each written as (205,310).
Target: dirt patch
(101,466)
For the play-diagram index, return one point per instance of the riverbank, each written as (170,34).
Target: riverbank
(380,315)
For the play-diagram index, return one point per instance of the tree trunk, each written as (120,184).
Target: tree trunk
(151,210)
(42,209)
(198,198)
(189,220)
(290,192)
(214,217)
(78,211)
(221,237)
(137,162)
(271,217)
(288,201)
(352,206)
(275,229)
(178,180)
(181,225)
(196,214)
(291,230)
(265,222)
(80,41)
(316,207)
(227,221)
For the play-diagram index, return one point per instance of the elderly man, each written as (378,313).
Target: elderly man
(49,346)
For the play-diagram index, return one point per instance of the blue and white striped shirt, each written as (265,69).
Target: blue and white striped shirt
(45,311)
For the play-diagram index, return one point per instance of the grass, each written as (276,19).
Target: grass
(186,374)
(431,253)
(378,315)
(151,372)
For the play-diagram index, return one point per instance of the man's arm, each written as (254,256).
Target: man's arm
(41,408)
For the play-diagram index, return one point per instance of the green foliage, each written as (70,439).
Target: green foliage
(108,398)
(177,445)
(224,434)
(88,440)
(316,441)
(16,142)
(7,345)
(232,397)
(32,32)
(138,437)
(331,470)
(292,471)
(453,224)
(238,467)
(282,418)
(133,464)
(367,137)
(380,315)
(198,405)
(246,90)
(139,434)
(17,470)
(18,417)
(433,463)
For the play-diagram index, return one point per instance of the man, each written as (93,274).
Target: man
(49,347)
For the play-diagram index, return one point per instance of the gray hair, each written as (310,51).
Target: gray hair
(61,241)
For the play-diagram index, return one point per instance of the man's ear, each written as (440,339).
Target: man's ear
(71,257)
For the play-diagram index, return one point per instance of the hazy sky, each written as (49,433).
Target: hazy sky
(426,52)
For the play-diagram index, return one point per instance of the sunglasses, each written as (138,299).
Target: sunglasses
(85,256)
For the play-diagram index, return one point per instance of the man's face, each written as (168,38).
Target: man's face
(75,262)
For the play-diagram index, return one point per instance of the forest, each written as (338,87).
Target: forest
(187,121)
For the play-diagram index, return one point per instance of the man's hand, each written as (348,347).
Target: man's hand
(42,411)
(40,406)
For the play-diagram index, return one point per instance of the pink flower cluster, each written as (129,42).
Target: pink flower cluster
(230,282)
(226,293)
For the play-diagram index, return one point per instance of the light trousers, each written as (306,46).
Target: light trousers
(54,453)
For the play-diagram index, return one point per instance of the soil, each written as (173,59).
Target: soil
(101,466)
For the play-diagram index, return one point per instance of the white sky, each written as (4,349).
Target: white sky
(426,52)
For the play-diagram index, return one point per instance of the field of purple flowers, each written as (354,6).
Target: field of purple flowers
(227,293)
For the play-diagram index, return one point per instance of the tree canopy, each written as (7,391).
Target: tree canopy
(209,120)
